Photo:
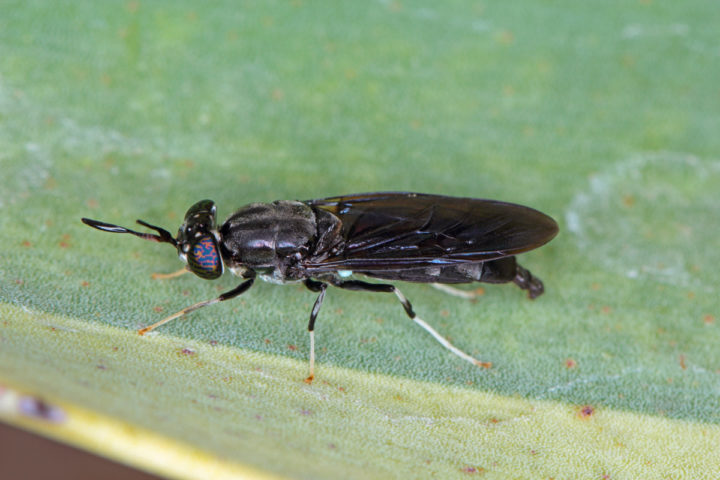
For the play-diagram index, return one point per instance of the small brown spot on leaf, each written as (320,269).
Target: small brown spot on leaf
(681,360)
(395,6)
(570,363)
(292,347)
(708,319)
(187,351)
(84,283)
(158,308)
(26,244)
(586,411)
(505,37)
(64,241)
(278,94)
(470,470)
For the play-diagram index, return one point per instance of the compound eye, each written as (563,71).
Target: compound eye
(204,259)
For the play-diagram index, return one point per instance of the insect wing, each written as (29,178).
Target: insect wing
(388,231)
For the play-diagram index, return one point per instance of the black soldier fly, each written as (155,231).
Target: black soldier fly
(411,237)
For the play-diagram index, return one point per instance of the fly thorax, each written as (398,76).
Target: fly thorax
(273,237)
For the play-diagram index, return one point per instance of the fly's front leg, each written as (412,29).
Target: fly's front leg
(387,288)
(314,286)
(239,290)
(165,276)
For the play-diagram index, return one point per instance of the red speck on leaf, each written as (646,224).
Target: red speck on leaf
(586,411)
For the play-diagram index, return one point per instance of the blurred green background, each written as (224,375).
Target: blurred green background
(604,114)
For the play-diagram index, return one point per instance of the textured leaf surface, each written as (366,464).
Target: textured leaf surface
(602,114)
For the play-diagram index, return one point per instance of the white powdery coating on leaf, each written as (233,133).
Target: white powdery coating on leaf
(651,216)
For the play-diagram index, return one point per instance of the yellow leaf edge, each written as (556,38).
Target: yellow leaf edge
(516,436)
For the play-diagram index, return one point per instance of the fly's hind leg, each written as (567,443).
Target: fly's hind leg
(387,288)
(458,292)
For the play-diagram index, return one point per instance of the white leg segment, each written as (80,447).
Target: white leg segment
(443,341)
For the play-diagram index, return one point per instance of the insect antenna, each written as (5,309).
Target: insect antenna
(163,237)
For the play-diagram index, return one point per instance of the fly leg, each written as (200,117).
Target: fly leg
(165,276)
(239,290)
(320,287)
(458,292)
(357,285)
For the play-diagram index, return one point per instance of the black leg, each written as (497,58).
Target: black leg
(239,290)
(314,286)
(387,288)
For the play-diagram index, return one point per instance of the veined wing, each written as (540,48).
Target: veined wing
(396,230)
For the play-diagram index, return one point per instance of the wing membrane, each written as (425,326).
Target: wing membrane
(396,230)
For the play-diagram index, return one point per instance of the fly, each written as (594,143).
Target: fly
(392,236)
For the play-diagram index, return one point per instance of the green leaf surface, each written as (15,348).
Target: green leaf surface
(602,114)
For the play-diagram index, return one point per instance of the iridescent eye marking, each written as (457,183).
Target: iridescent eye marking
(205,254)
